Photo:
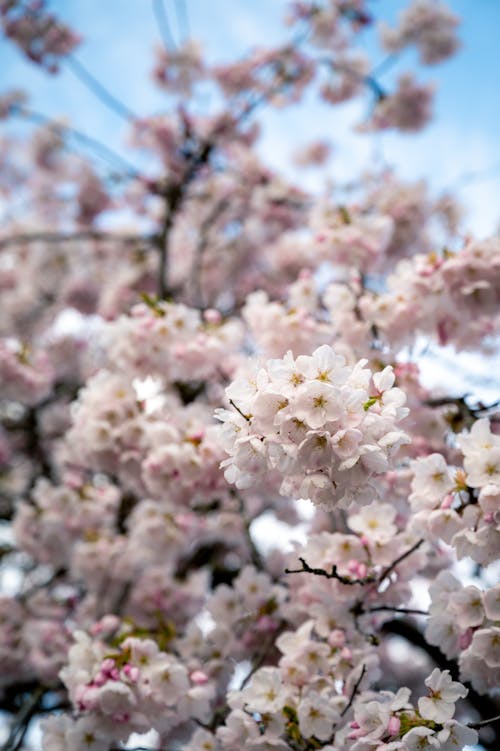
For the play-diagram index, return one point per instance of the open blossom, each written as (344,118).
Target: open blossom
(316,716)
(266,691)
(439,706)
(316,423)
(432,480)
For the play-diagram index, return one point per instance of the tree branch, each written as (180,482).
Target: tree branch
(354,692)
(71,237)
(22,720)
(96,87)
(99,148)
(388,571)
(333,574)
(163,24)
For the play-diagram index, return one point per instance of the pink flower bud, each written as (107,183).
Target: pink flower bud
(266,623)
(362,570)
(199,677)
(132,672)
(447,502)
(100,679)
(394,726)
(107,665)
(212,316)
(346,653)
(465,639)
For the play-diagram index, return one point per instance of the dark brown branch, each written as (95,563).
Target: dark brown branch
(388,571)
(391,609)
(354,692)
(333,574)
(245,417)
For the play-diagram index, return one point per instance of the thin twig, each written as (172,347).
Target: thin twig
(387,571)
(354,691)
(245,417)
(261,656)
(483,723)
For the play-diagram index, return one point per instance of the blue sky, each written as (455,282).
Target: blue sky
(462,139)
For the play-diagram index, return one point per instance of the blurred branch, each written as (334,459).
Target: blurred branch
(23,719)
(112,157)
(173,195)
(197,265)
(96,87)
(182,18)
(71,237)
(163,24)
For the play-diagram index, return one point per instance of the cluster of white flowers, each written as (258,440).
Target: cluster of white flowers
(461,507)
(323,428)
(132,687)
(276,327)
(287,705)
(351,239)
(454,297)
(58,516)
(464,624)
(108,423)
(25,376)
(170,341)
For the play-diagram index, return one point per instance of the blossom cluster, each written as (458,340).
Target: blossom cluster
(463,623)
(460,506)
(430,26)
(316,423)
(453,297)
(171,341)
(202,545)
(42,37)
(130,687)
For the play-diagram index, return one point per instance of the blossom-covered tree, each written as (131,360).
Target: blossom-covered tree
(241,345)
